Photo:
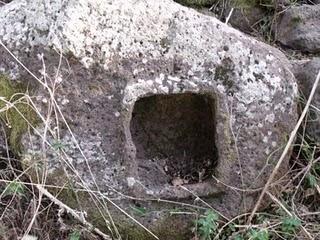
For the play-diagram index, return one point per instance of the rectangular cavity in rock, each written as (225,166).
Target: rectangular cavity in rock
(174,136)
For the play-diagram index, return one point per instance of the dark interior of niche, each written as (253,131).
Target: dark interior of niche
(175,136)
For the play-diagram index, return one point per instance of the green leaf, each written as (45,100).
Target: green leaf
(57,145)
(207,225)
(290,224)
(75,235)
(232,227)
(14,188)
(139,210)
(262,234)
(238,237)
(312,180)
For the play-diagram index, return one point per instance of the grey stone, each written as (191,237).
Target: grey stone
(156,96)
(306,73)
(246,19)
(299,28)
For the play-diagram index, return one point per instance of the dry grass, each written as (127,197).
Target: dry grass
(27,209)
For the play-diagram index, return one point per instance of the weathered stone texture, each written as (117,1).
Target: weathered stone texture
(124,59)
(306,74)
(299,28)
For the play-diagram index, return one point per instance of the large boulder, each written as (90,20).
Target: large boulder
(299,28)
(149,102)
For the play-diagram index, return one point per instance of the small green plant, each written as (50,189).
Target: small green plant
(141,211)
(290,224)
(58,145)
(14,188)
(15,111)
(229,231)
(261,234)
(311,180)
(207,225)
(238,237)
(75,235)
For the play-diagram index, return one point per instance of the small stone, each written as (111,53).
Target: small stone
(299,28)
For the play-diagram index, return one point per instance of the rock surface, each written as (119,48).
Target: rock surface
(246,19)
(121,61)
(299,28)
(306,74)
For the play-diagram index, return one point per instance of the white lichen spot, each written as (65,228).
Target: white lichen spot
(164,89)
(241,107)
(158,80)
(162,76)
(265,139)
(131,181)
(135,72)
(221,88)
(270,118)
(270,57)
(267,151)
(190,73)
(192,84)
(150,192)
(175,79)
(149,82)
(58,79)
(65,101)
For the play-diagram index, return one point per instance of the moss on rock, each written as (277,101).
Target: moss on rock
(15,111)
(170,226)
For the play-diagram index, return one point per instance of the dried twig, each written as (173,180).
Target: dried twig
(273,198)
(73,213)
(229,16)
(204,202)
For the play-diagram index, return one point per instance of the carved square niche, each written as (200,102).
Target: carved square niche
(174,137)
